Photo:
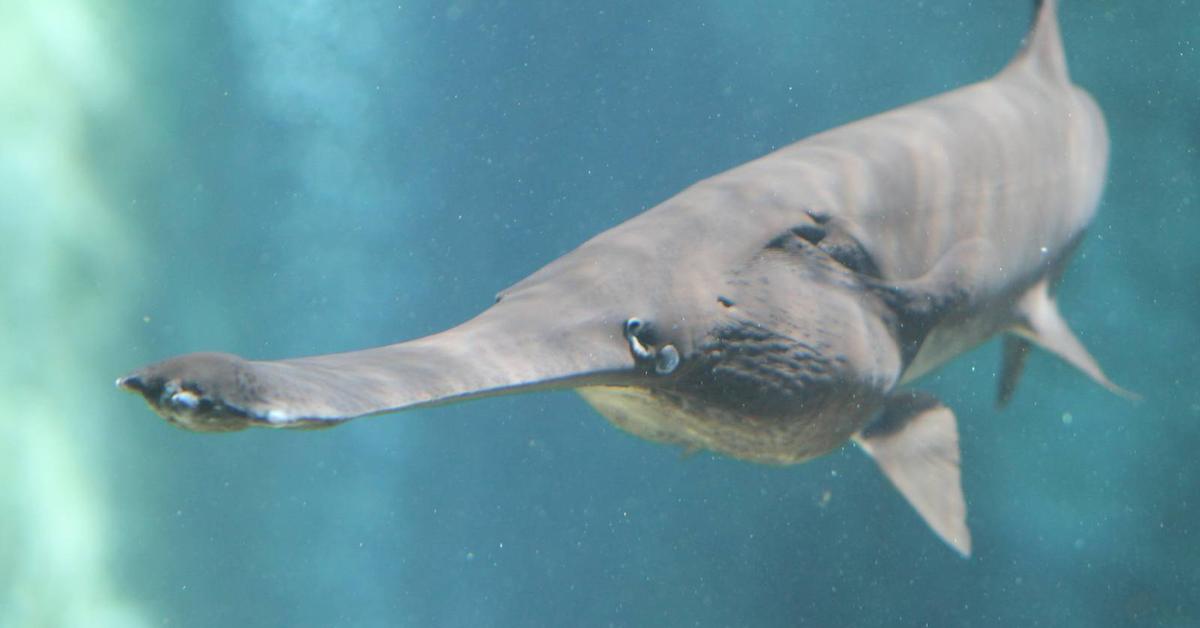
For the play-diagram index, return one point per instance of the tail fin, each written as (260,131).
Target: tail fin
(1042,50)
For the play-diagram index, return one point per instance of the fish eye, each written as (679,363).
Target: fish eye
(667,360)
(185,398)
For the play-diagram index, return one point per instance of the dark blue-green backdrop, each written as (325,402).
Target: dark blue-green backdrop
(307,177)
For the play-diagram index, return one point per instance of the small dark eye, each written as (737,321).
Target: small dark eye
(633,326)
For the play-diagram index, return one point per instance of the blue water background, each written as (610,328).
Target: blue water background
(297,178)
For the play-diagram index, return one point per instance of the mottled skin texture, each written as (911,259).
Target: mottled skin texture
(798,289)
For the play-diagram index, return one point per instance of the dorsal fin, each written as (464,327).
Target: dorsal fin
(1042,50)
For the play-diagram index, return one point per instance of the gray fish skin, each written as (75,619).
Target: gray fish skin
(769,312)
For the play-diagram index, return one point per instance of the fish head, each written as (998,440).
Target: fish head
(780,362)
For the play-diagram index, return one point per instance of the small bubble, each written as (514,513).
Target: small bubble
(1067,418)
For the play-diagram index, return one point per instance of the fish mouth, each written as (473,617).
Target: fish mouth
(186,406)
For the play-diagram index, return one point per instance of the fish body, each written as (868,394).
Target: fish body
(772,312)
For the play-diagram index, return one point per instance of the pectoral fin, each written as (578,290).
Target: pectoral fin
(915,443)
(1039,321)
(920,304)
